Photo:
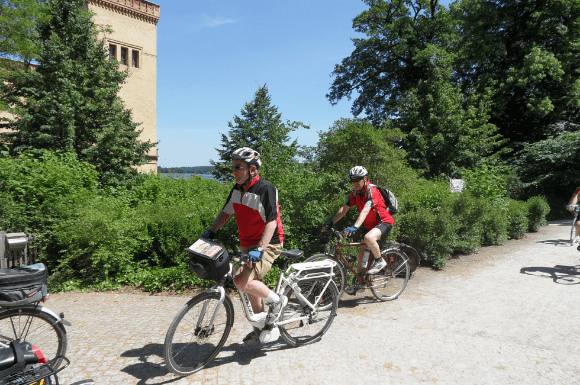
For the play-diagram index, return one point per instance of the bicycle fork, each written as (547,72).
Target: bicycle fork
(206,331)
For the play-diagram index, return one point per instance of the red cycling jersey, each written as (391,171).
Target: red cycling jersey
(253,209)
(371,196)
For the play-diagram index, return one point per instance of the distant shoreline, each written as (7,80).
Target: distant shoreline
(185,175)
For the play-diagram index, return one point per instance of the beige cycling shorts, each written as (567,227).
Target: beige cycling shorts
(260,269)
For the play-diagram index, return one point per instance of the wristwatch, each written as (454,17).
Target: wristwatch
(260,249)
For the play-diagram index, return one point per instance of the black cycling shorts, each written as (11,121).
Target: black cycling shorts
(384,228)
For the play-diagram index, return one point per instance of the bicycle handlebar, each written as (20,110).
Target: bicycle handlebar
(338,233)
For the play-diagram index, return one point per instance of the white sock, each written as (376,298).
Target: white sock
(272,297)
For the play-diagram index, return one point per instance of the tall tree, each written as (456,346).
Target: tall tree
(528,52)
(356,142)
(260,127)
(403,71)
(382,68)
(447,131)
(70,102)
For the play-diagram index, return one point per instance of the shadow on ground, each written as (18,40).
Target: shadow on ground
(563,275)
(151,359)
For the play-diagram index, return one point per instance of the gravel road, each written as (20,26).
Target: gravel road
(508,314)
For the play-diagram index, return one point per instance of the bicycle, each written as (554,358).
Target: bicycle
(200,329)
(386,285)
(33,338)
(573,231)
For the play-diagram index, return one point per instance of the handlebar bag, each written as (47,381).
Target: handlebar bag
(23,284)
(209,260)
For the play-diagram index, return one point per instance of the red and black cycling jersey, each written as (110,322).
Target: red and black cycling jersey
(371,196)
(253,209)
(577,191)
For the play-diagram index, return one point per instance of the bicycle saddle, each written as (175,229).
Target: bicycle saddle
(292,254)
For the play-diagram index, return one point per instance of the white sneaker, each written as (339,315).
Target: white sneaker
(276,310)
(378,266)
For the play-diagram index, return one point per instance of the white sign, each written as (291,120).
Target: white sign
(456,185)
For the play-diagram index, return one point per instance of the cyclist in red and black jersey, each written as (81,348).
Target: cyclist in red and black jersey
(254,202)
(375,215)
(570,207)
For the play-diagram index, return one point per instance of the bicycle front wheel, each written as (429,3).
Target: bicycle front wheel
(42,330)
(300,324)
(194,339)
(390,282)
(573,232)
(339,271)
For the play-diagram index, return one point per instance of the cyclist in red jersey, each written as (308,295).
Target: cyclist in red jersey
(570,207)
(254,202)
(373,213)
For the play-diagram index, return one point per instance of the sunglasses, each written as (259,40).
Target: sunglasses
(238,167)
(356,180)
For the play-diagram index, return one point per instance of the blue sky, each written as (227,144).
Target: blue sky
(212,55)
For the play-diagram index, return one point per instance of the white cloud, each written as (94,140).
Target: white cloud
(212,22)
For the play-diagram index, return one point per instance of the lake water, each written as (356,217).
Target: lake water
(187,176)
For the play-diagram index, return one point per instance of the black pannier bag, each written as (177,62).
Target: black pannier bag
(209,260)
(23,285)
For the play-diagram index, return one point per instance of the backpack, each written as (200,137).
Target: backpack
(390,200)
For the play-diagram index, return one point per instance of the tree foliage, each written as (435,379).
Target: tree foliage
(70,101)
(529,53)
(18,35)
(261,128)
(382,68)
(447,131)
(404,74)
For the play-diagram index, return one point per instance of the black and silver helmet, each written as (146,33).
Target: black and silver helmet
(248,155)
(357,172)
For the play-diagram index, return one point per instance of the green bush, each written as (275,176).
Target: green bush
(100,239)
(468,211)
(494,221)
(517,214)
(33,190)
(433,234)
(487,181)
(538,209)
(100,242)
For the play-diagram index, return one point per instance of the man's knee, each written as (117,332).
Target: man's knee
(372,236)
(242,279)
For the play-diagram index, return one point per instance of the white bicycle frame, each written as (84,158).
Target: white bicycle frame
(295,273)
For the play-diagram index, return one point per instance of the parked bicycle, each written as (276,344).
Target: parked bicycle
(573,232)
(200,330)
(33,338)
(386,285)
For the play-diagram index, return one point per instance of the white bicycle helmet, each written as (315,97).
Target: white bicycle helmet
(357,172)
(248,155)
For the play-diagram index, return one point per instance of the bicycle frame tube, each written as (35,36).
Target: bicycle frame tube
(302,299)
(344,262)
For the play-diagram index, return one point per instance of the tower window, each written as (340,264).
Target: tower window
(112,52)
(124,54)
(135,59)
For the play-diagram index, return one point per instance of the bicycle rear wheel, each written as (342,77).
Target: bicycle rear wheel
(573,232)
(339,271)
(302,324)
(42,330)
(192,340)
(390,282)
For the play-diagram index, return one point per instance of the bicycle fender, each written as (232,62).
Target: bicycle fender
(59,318)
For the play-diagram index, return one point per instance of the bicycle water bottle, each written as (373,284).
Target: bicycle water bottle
(365,258)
